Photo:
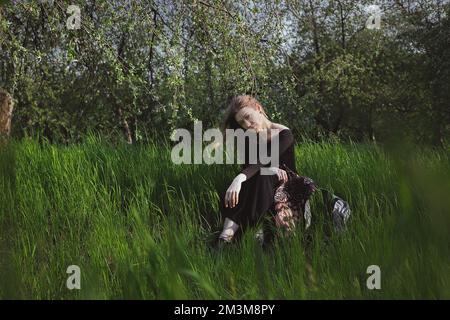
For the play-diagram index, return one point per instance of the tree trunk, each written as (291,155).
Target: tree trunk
(321,87)
(152,42)
(122,117)
(126,127)
(209,87)
(6,109)
(341,13)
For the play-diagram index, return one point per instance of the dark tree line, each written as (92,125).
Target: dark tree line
(140,67)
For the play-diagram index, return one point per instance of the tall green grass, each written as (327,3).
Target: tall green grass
(140,227)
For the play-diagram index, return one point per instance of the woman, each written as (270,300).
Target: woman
(251,194)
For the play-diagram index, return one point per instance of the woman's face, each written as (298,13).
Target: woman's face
(250,118)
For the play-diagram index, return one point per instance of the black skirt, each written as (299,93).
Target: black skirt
(256,198)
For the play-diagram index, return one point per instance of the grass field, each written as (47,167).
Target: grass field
(139,226)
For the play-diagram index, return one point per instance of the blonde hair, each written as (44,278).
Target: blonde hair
(236,104)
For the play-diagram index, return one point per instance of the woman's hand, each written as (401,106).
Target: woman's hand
(282,175)
(232,194)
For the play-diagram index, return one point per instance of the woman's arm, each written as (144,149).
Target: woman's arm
(286,138)
(232,194)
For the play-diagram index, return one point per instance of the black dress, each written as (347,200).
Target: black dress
(256,196)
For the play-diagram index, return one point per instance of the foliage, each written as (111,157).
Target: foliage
(144,66)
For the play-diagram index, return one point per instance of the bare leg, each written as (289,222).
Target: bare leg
(229,229)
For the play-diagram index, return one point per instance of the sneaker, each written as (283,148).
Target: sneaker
(221,243)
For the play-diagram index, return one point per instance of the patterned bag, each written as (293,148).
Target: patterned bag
(292,202)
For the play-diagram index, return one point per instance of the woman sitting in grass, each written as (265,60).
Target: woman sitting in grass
(251,194)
